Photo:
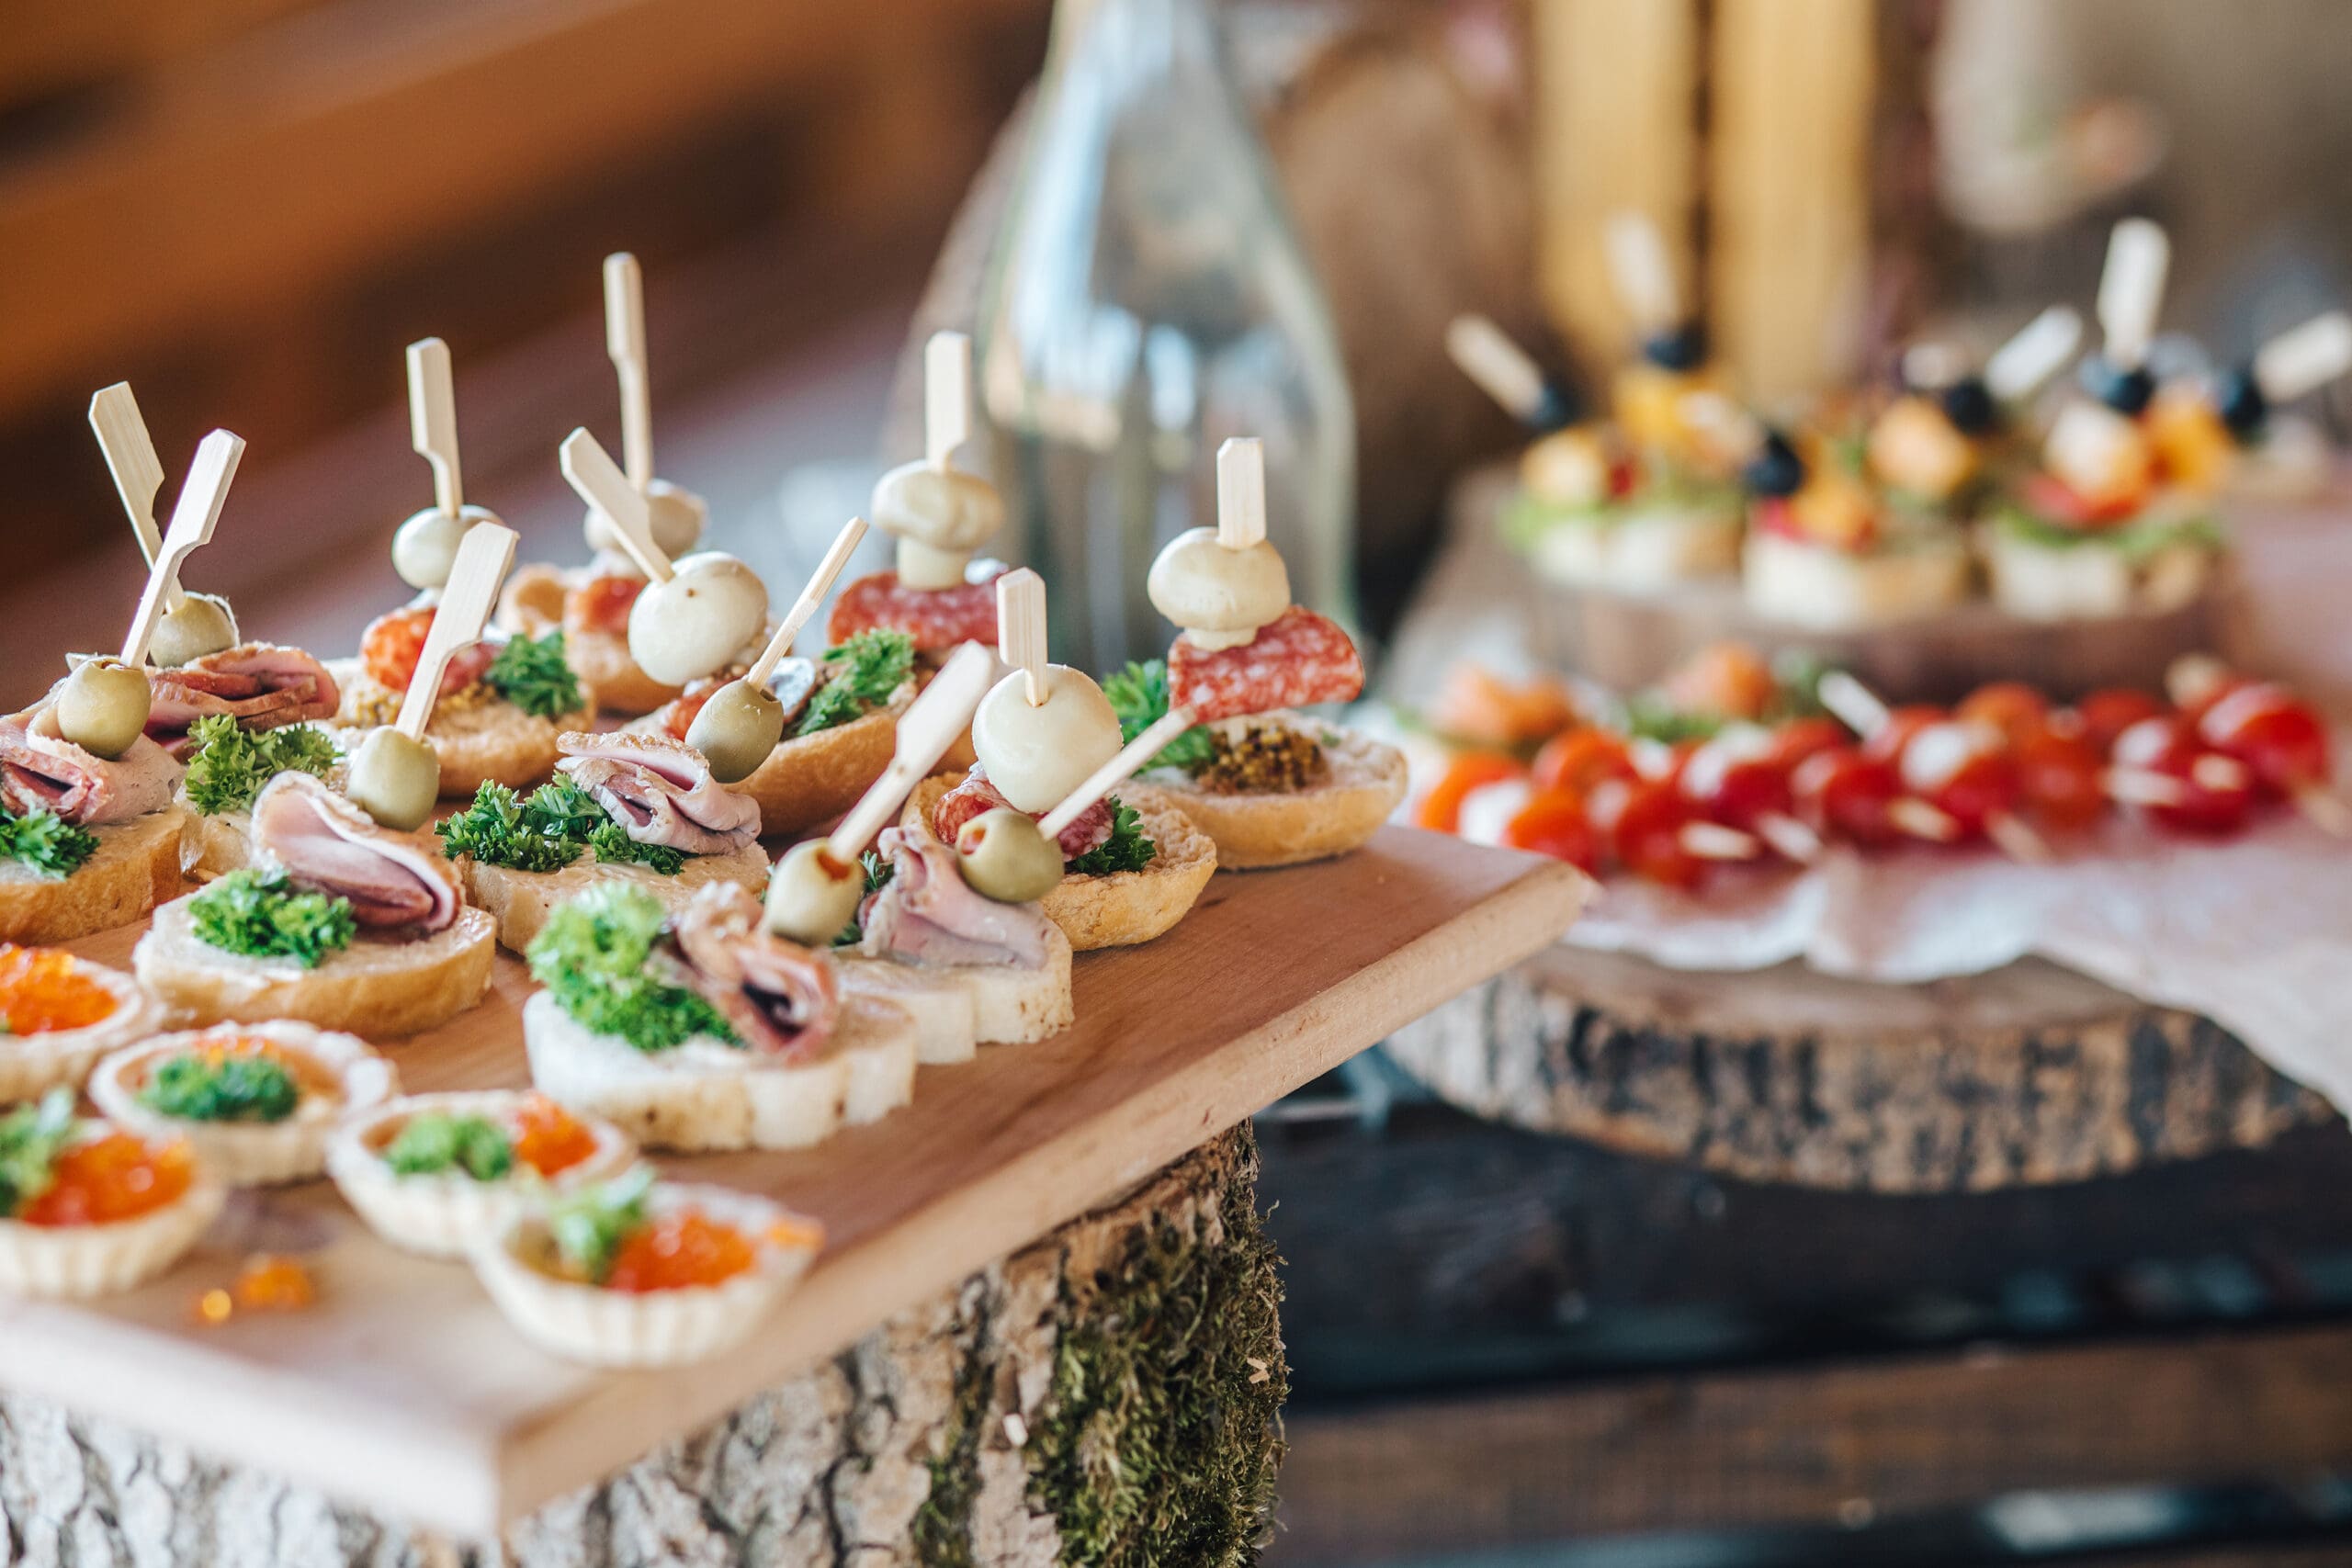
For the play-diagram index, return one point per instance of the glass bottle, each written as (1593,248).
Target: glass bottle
(1146,297)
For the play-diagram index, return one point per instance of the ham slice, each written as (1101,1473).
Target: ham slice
(42,770)
(259,685)
(976,797)
(660,790)
(396,885)
(928,914)
(780,999)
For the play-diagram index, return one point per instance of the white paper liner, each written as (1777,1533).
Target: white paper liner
(657,1328)
(249,1154)
(2254,932)
(443,1214)
(32,1065)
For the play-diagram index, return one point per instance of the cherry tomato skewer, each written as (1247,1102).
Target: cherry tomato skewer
(2283,742)
(1961,770)
(1738,779)
(2163,769)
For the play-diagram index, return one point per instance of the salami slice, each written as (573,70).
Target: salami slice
(1296,659)
(937,618)
(976,797)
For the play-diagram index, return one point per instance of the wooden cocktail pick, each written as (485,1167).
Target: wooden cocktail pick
(1021,629)
(193,519)
(466,600)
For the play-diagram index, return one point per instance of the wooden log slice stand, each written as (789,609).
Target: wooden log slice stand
(1116,1385)
(2029,1074)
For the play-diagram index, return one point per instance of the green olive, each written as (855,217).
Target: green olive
(1006,858)
(812,898)
(395,780)
(103,706)
(736,729)
(200,626)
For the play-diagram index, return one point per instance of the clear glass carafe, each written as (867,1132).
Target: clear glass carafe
(1147,297)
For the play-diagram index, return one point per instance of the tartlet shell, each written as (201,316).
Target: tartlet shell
(32,1065)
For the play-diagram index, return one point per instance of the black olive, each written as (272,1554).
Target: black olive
(1556,409)
(1681,348)
(1776,470)
(2125,391)
(2243,406)
(1969,405)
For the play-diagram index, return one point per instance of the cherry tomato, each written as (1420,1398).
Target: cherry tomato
(2279,738)
(2205,799)
(1555,823)
(2047,496)
(1844,794)
(1580,760)
(1891,737)
(1737,778)
(393,644)
(1440,810)
(1803,737)
(1648,837)
(2107,714)
(2010,706)
(1963,770)
(2058,777)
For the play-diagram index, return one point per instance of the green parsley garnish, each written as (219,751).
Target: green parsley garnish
(227,766)
(531,673)
(263,915)
(1125,849)
(589,1227)
(46,841)
(877,877)
(233,1089)
(594,955)
(1140,697)
(437,1141)
(545,831)
(860,676)
(31,1137)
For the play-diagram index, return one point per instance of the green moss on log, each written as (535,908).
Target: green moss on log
(1163,1434)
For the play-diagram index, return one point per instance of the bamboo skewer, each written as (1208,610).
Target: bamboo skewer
(193,519)
(138,472)
(466,600)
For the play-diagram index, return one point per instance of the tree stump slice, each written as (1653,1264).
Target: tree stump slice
(2030,1074)
(1108,1395)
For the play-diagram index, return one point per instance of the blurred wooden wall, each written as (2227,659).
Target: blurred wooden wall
(247,207)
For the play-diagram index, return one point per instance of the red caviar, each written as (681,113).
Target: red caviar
(113,1178)
(42,989)
(548,1139)
(602,605)
(676,1252)
(393,644)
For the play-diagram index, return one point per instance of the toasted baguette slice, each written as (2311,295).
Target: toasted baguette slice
(812,779)
(1126,906)
(375,989)
(137,866)
(521,900)
(946,1012)
(533,605)
(1255,831)
(706,1094)
(483,741)
(215,843)
(1008,1006)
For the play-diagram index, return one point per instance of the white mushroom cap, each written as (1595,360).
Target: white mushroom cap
(674,515)
(699,620)
(1202,586)
(947,509)
(1036,756)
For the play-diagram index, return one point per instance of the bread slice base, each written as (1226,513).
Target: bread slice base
(137,866)
(491,742)
(709,1095)
(813,779)
(1256,832)
(520,900)
(374,989)
(1126,906)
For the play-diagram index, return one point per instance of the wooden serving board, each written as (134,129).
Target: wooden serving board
(403,1389)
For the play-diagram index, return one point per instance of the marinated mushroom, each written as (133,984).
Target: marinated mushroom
(394,779)
(203,623)
(939,515)
(426,544)
(1006,857)
(103,706)
(699,620)
(1036,754)
(1220,595)
(812,898)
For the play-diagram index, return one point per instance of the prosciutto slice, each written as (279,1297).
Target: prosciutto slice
(928,914)
(976,797)
(259,685)
(42,770)
(660,790)
(780,999)
(327,844)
